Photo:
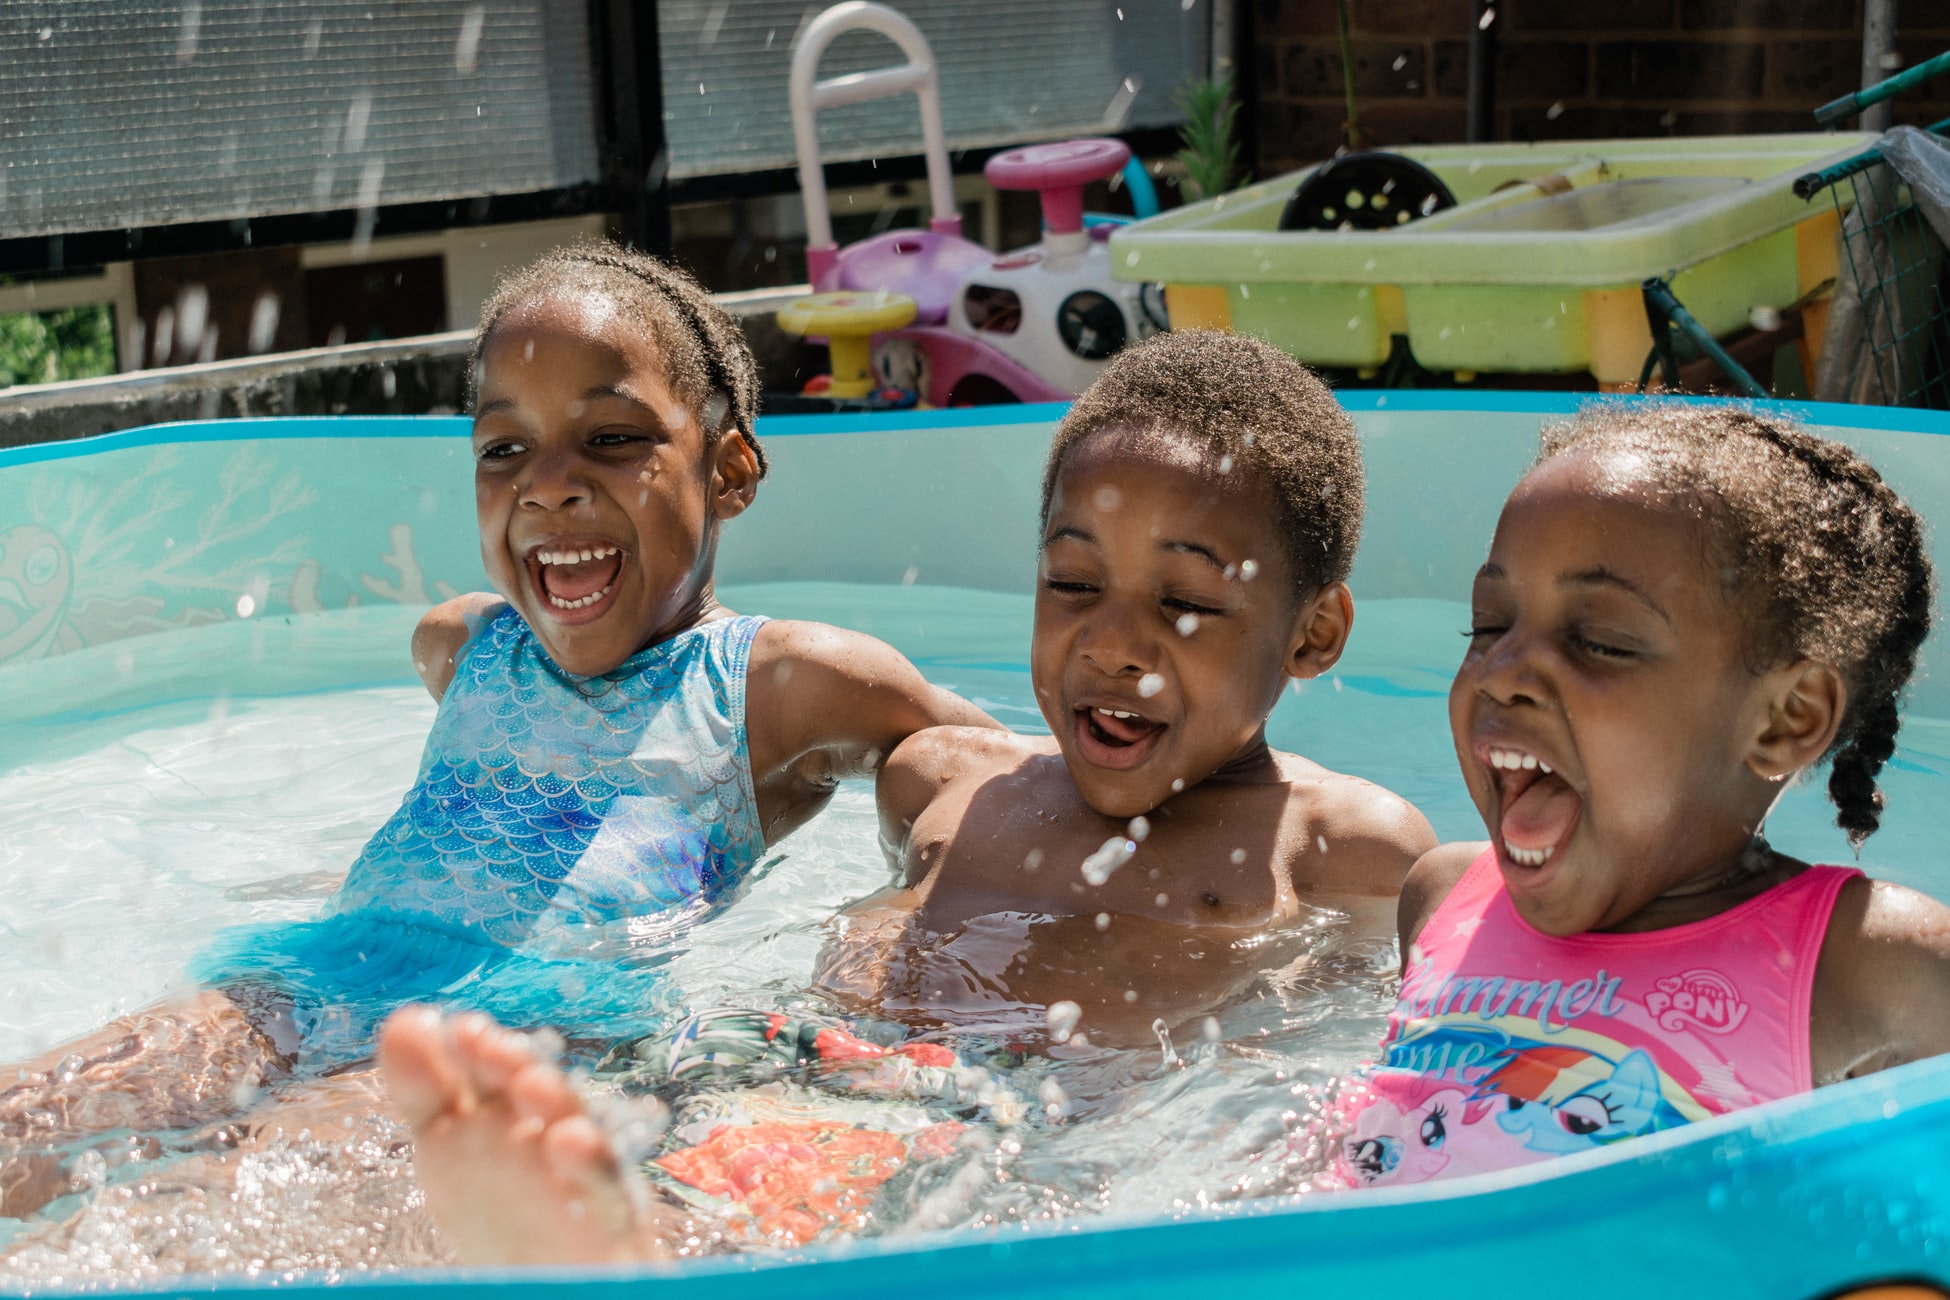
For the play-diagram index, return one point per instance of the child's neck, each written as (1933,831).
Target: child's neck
(702,607)
(1754,871)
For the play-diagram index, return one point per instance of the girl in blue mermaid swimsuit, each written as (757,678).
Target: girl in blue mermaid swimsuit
(613,750)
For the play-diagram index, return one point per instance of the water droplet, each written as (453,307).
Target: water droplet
(263,335)
(1489,17)
(1150,684)
(1210,1028)
(1238,856)
(1248,570)
(1177,784)
(1161,900)
(1103,864)
(1032,860)
(1555,111)
(189,31)
(1130,995)
(1062,1018)
(1107,498)
(1138,829)
(1226,463)
(1103,920)
(246,606)
(467,46)
(1187,624)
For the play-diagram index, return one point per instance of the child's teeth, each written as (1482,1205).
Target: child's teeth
(1511,760)
(575,557)
(1529,857)
(1116,713)
(578,603)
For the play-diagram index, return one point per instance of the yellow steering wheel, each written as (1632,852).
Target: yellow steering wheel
(848,320)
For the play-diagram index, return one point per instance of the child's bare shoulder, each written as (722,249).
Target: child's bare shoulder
(1885,975)
(1371,835)
(444,631)
(1430,880)
(939,756)
(929,761)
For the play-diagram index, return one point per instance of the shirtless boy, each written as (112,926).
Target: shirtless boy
(1201,508)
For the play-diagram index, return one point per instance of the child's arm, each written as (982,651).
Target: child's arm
(444,630)
(1429,882)
(823,704)
(1882,986)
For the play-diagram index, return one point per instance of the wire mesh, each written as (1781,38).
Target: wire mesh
(1902,273)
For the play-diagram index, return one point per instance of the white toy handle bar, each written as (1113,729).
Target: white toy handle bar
(809,95)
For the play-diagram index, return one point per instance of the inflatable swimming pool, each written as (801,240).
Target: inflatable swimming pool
(165,568)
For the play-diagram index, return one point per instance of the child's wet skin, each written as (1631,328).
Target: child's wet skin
(1612,732)
(1166,618)
(594,484)
(1167,623)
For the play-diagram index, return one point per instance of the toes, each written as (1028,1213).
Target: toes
(490,1055)
(539,1091)
(422,1076)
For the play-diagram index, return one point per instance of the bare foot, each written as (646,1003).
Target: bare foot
(515,1170)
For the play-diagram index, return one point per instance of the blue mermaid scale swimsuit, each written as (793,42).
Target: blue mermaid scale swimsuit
(562,837)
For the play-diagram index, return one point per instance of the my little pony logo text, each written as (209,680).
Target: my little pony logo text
(1704,999)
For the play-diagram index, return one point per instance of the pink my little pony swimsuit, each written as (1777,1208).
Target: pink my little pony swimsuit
(1509,1046)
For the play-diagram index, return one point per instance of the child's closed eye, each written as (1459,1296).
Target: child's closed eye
(611,439)
(1179,605)
(1604,649)
(500,450)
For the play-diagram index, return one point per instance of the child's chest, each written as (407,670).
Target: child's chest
(1217,862)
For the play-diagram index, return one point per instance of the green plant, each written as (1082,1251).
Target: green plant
(41,347)
(1211,152)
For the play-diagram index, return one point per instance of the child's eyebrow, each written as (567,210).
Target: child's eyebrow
(1069,531)
(1205,553)
(1604,577)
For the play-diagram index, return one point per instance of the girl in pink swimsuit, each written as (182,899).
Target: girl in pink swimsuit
(1683,609)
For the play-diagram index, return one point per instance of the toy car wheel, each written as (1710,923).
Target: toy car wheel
(1366,191)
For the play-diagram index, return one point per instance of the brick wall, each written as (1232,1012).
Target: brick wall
(1570,69)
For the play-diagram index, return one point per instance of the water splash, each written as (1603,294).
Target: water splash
(1100,866)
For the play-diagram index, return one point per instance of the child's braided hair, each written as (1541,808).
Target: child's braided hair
(1820,556)
(704,353)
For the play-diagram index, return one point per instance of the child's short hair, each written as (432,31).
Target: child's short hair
(1817,554)
(1245,401)
(702,349)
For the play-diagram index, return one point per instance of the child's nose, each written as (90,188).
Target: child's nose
(1508,672)
(552,482)
(1116,641)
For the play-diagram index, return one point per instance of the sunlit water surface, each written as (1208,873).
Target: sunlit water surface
(126,838)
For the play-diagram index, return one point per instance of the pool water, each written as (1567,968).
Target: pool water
(198,807)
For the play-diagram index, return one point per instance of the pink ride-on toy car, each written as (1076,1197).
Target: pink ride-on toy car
(1033,325)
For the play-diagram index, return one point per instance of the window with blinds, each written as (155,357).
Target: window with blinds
(128,113)
(1011,71)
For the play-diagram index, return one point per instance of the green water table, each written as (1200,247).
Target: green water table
(1535,270)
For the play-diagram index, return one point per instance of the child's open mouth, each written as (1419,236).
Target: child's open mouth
(575,581)
(1115,738)
(1539,808)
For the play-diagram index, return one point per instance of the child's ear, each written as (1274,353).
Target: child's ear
(1320,631)
(1804,702)
(734,475)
